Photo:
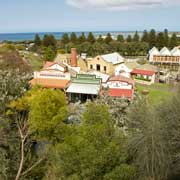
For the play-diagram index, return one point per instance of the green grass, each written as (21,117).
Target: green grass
(36,62)
(157,92)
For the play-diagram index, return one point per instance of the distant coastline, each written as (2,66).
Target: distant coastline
(58,35)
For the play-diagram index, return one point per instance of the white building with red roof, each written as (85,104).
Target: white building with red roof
(146,77)
(121,86)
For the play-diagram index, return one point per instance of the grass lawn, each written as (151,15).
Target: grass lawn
(35,61)
(157,92)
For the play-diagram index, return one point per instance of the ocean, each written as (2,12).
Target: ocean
(30,36)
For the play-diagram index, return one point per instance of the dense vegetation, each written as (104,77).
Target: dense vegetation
(40,137)
(135,45)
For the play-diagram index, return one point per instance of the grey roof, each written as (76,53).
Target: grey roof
(114,58)
(83,89)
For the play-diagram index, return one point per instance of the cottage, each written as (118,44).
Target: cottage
(53,75)
(120,86)
(83,87)
(105,63)
(146,77)
(123,70)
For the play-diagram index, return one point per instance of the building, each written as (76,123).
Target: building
(83,87)
(123,70)
(105,63)
(165,58)
(120,86)
(141,76)
(53,75)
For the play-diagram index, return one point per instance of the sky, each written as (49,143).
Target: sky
(88,15)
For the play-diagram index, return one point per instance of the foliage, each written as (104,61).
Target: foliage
(49,40)
(47,114)
(94,151)
(49,54)
(37,40)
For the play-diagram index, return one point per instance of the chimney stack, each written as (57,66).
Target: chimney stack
(73,57)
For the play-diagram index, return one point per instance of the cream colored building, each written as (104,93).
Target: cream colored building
(105,63)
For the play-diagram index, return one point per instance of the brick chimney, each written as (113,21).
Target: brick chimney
(73,57)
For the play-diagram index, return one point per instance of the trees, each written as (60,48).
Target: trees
(82,38)
(37,40)
(49,40)
(120,38)
(91,39)
(49,54)
(147,143)
(100,39)
(65,39)
(145,37)
(166,38)
(108,38)
(129,38)
(173,41)
(47,115)
(94,150)
(160,41)
(136,37)
(152,38)
(73,38)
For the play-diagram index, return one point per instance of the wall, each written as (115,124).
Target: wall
(119,85)
(98,60)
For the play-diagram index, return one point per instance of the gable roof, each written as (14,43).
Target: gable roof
(143,72)
(98,74)
(165,51)
(122,79)
(175,51)
(114,58)
(49,64)
(154,50)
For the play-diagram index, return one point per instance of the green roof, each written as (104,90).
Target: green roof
(86,79)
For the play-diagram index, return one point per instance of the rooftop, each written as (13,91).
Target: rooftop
(143,72)
(126,93)
(114,58)
(122,79)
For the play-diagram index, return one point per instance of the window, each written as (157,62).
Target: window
(105,68)
(91,66)
(98,67)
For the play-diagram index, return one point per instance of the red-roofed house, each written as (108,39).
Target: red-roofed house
(146,77)
(121,86)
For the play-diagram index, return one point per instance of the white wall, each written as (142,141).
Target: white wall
(119,85)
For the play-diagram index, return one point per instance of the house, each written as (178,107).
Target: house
(72,60)
(53,75)
(165,58)
(123,70)
(83,87)
(105,63)
(121,86)
(141,76)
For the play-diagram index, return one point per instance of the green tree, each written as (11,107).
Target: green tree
(120,38)
(108,38)
(105,157)
(152,38)
(65,38)
(147,144)
(91,39)
(166,38)
(49,40)
(48,113)
(173,41)
(37,40)
(100,39)
(160,41)
(73,38)
(82,38)
(136,37)
(145,37)
(49,54)
(129,38)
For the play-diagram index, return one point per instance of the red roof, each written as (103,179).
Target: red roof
(49,64)
(127,93)
(50,83)
(143,72)
(122,79)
